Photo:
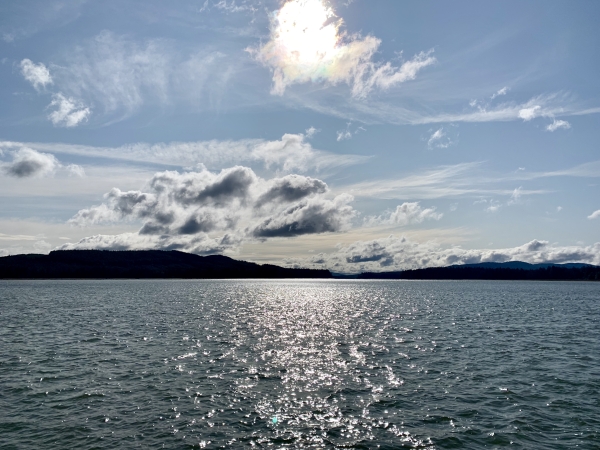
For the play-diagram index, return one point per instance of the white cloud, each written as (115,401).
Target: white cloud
(594,215)
(530,113)
(37,74)
(119,75)
(558,124)
(200,244)
(392,253)
(68,111)
(439,139)
(29,163)
(307,44)
(310,132)
(408,213)
(231,7)
(344,135)
(494,206)
(464,179)
(515,197)
(502,91)
(290,153)
(76,170)
(187,210)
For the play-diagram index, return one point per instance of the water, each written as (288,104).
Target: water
(299,364)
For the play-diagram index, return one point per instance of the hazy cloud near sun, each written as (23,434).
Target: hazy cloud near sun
(308,44)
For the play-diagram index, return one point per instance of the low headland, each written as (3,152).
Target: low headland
(65,264)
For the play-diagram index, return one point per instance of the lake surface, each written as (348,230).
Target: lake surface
(299,364)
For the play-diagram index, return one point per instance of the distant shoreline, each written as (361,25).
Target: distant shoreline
(175,265)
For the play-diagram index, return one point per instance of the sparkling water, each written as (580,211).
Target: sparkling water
(299,364)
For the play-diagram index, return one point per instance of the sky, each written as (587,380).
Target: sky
(350,135)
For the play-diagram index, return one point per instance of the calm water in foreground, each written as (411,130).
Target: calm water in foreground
(299,364)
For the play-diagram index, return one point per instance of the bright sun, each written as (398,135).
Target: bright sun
(307,31)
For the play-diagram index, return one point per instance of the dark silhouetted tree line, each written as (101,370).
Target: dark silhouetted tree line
(551,273)
(141,264)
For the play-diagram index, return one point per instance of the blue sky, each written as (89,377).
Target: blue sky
(350,135)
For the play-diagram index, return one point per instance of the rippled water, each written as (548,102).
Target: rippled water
(299,364)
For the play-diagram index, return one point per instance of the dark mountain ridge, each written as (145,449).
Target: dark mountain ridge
(514,270)
(141,264)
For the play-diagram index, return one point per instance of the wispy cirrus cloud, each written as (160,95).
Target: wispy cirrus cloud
(348,133)
(557,125)
(500,92)
(290,153)
(308,44)
(119,76)
(441,138)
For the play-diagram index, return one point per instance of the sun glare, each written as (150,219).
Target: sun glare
(307,32)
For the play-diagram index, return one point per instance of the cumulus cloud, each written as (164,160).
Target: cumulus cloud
(530,113)
(200,244)
(558,124)
(37,74)
(68,112)
(400,253)
(594,215)
(411,213)
(408,213)
(182,209)
(29,163)
(312,216)
(307,44)
(291,188)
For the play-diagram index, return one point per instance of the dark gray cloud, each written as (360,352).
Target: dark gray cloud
(308,217)
(186,206)
(29,163)
(202,187)
(292,188)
